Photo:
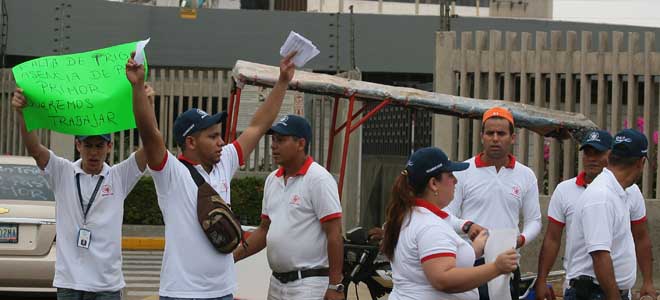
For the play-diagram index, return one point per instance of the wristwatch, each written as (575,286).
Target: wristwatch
(336,287)
(467,226)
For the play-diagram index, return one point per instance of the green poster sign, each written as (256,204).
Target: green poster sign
(84,93)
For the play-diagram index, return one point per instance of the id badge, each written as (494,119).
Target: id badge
(84,238)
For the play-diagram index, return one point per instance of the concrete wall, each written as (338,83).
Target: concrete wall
(541,9)
(218,37)
(390,8)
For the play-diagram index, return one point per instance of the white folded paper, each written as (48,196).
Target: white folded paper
(139,51)
(306,49)
(499,240)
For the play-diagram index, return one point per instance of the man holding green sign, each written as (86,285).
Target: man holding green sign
(85,94)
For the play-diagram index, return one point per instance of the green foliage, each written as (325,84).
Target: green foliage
(246,196)
(141,206)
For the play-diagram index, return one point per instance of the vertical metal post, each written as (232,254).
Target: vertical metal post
(333,125)
(235,118)
(230,113)
(347,137)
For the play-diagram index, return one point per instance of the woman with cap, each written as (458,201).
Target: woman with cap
(429,259)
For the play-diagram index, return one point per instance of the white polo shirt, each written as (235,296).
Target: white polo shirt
(192,267)
(426,234)
(603,223)
(296,240)
(562,207)
(494,199)
(97,268)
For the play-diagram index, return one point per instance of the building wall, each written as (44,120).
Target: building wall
(218,37)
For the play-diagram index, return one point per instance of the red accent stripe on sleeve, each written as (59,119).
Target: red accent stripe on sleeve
(162,164)
(432,256)
(239,151)
(642,220)
(553,220)
(331,217)
(265,217)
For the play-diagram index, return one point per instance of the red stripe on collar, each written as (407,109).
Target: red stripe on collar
(181,157)
(479,163)
(432,207)
(303,170)
(581,180)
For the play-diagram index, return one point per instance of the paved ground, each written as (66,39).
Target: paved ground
(142,272)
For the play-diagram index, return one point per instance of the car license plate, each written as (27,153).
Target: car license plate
(9,233)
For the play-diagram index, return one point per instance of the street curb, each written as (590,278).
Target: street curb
(143,243)
(158,243)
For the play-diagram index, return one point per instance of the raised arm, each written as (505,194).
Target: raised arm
(140,155)
(30,139)
(265,116)
(145,118)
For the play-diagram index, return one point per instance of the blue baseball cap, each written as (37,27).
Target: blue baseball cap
(107,137)
(429,162)
(293,125)
(630,143)
(600,140)
(194,120)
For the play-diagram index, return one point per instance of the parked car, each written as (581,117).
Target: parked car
(27,227)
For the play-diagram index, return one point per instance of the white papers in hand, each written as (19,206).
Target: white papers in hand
(139,51)
(306,49)
(499,240)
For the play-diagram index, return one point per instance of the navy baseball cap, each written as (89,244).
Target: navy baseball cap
(107,137)
(429,162)
(630,143)
(293,125)
(600,140)
(194,120)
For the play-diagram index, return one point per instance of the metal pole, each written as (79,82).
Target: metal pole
(333,124)
(235,118)
(353,65)
(230,113)
(347,137)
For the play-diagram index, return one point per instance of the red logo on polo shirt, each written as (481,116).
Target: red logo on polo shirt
(296,200)
(106,190)
(516,191)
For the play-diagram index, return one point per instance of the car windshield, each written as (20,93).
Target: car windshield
(23,182)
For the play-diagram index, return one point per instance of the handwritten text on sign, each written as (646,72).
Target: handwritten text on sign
(84,93)
(21,182)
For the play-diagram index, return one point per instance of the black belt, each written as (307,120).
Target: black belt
(295,275)
(572,283)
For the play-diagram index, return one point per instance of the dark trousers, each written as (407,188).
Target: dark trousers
(69,294)
(514,284)
(585,288)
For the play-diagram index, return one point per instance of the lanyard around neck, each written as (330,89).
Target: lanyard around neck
(91,200)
